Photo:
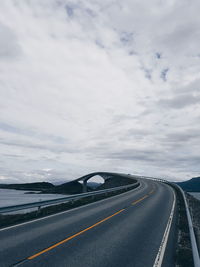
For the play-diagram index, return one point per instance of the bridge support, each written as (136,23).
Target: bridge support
(84,186)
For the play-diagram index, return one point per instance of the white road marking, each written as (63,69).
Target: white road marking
(162,248)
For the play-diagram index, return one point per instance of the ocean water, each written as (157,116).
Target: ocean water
(196,195)
(10,197)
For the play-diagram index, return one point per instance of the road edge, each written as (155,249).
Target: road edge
(161,252)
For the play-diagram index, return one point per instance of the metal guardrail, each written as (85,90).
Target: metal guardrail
(40,204)
(195,251)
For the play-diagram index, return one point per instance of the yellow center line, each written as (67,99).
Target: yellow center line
(83,231)
(137,201)
(151,192)
(73,236)
(142,198)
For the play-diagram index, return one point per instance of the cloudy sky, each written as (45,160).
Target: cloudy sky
(99,85)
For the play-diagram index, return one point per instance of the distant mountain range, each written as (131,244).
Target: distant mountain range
(73,187)
(192,185)
(28,186)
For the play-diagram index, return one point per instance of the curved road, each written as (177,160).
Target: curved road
(125,230)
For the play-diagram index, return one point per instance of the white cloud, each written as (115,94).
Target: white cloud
(98,85)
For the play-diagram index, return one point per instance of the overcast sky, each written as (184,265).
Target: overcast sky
(99,85)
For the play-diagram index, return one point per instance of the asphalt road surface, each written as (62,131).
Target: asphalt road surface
(125,230)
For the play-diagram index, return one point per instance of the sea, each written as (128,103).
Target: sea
(196,195)
(10,197)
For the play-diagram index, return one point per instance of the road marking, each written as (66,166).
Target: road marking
(81,232)
(73,236)
(137,201)
(161,251)
(142,198)
(151,191)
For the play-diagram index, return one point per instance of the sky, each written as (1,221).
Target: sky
(99,85)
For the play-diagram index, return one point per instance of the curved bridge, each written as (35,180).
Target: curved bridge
(104,175)
(121,226)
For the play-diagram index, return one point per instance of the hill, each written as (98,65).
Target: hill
(28,186)
(192,185)
(72,187)
(114,182)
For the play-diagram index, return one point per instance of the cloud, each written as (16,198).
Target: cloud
(99,85)
(163,74)
(134,155)
(180,101)
(9,46)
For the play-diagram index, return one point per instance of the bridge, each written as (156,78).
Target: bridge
(137,228)
(104,175)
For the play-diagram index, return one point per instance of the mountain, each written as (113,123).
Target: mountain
(28,186)
(72,187)
(192,185)
(114,182)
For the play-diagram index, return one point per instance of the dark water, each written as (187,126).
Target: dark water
(9,197)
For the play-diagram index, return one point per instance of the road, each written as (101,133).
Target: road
(125,230)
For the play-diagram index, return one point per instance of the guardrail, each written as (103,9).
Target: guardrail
(195,251)
(40,204)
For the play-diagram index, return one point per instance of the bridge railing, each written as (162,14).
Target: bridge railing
(40,204)
(195,251)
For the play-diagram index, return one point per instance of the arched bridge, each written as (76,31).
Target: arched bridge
(104,175)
